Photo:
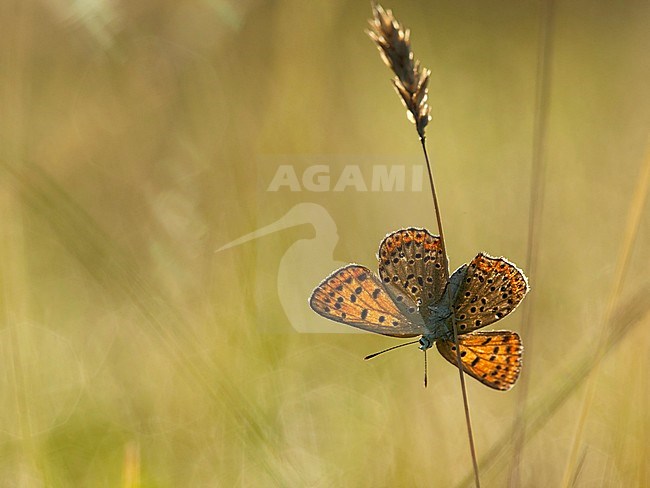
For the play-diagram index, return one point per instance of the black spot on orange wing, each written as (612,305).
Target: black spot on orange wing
(353,295)
(412,259)
(495,363)
(493,287)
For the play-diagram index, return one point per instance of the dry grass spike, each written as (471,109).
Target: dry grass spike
(411,80)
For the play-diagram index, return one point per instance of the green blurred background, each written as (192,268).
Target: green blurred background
(137,138)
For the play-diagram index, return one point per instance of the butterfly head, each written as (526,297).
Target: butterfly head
(425,343)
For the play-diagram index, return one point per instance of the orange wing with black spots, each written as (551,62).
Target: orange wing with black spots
(413,260)
(353,295)
(492,288)
(493,357)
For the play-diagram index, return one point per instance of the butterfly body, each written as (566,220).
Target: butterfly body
(415,296)
(439,319)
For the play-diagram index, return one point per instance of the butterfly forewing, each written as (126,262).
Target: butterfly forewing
(413,261)
(353,295)
(492,357)
(492,288)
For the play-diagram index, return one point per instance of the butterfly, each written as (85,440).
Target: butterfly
(413,295)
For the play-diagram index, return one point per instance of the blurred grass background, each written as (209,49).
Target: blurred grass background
(138,138)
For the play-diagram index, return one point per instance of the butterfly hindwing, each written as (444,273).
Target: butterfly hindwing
(491,289)
(413,261)
(492,357)
(353,295)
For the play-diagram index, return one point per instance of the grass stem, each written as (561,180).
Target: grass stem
(411,80)
(468,419)
(629,237)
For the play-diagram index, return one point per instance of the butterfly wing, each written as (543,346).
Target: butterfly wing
(353,295)
(492,357)
(413,261)
(492,288)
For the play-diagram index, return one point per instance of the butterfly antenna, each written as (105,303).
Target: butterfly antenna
(425,368)
(370,356)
